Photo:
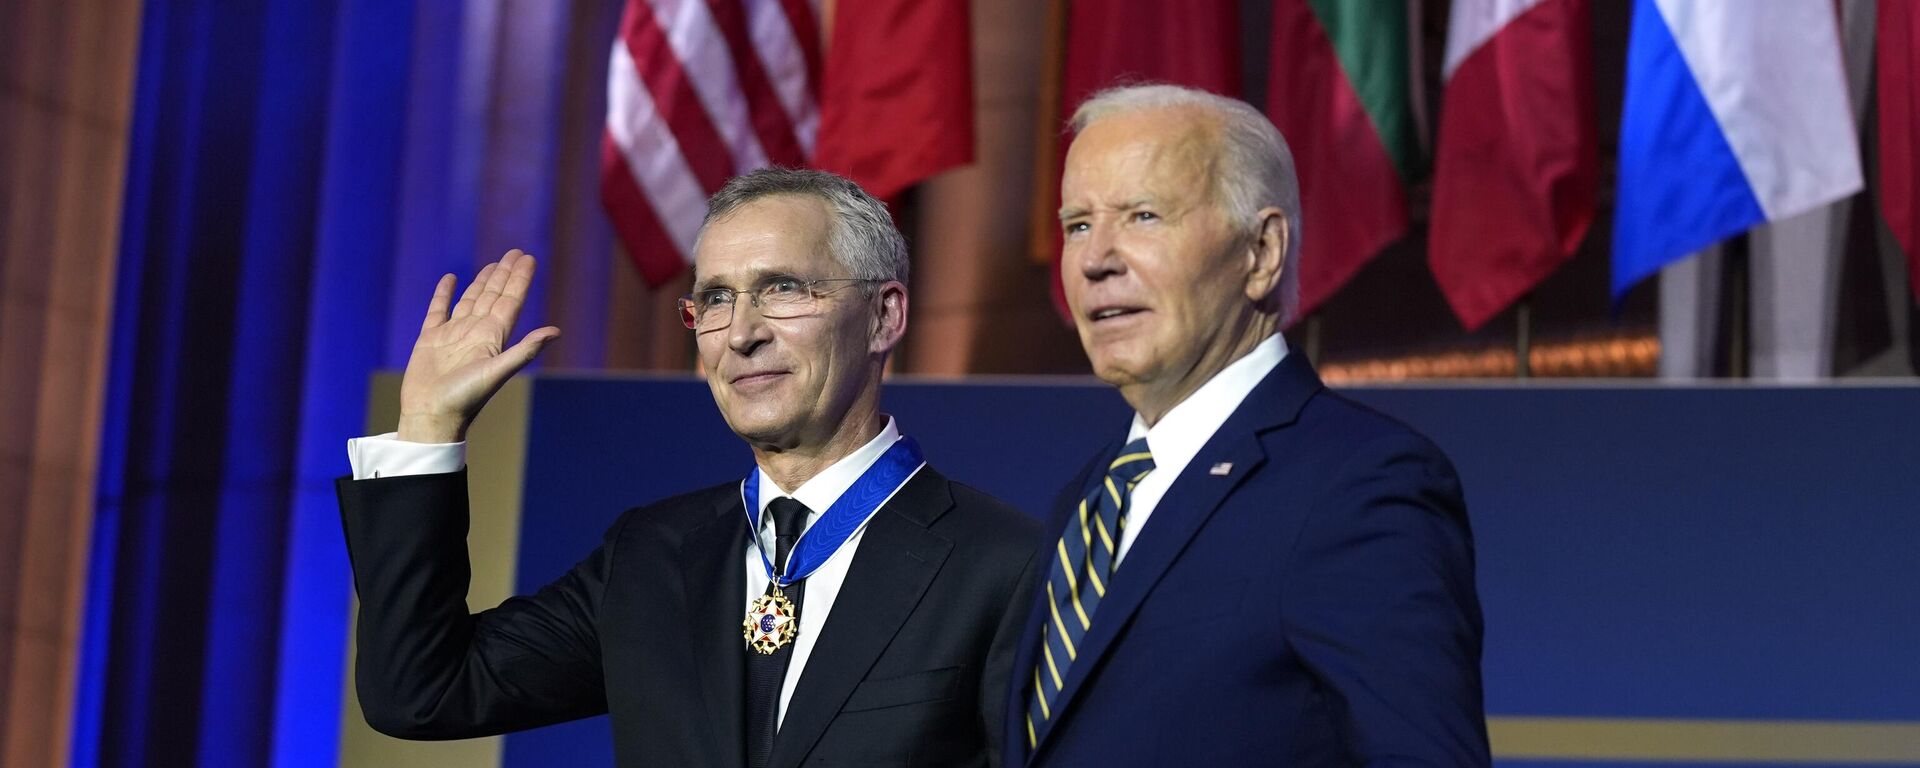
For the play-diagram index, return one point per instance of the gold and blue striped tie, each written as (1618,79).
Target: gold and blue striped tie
(1084,564)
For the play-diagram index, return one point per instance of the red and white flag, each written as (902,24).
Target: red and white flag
(696,93)
(699,91)
(1514,171)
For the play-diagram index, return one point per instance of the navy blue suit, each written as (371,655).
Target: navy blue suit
(1313,605)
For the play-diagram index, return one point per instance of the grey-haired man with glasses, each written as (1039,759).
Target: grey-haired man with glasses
(842,604)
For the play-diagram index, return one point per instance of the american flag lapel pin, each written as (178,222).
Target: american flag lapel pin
(1221,469)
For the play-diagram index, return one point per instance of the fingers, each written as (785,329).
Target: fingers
(500,288)
(497,283)
(519,355)
(437,308)
(519,280)
(467,297)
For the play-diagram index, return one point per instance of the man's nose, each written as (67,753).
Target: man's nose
(749,327)
(1100,254)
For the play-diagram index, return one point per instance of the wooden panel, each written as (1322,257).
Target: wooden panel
(65,105)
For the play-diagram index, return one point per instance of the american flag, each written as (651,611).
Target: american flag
(699,91)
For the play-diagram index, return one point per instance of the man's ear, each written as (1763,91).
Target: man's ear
(1267,253)
(889,324)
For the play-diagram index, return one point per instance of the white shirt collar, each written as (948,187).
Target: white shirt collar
(825,488)
(1185,429)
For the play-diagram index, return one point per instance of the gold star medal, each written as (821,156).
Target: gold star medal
(771,622)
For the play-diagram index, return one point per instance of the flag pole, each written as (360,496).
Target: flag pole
(1313,338)
(1523,337)
(1735,277)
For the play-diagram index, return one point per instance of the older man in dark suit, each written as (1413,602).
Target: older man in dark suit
(1257,571)
(844,604)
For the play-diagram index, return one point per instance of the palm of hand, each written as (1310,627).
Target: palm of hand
(460,358)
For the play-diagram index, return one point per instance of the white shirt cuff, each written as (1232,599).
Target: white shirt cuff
(389,456)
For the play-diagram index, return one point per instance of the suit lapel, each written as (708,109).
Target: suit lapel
(1027,654)
(896,562)
(1193,498)
(1179,515)
(716,590)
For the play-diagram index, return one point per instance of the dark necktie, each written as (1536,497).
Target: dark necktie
(766,671)
(1082,565)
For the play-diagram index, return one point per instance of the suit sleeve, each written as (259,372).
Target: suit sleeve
(1382,608)
(425,667)
(996,673)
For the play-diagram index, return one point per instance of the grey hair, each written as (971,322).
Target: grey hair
(1255,166)
(863,238)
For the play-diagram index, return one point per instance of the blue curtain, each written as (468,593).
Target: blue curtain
(299,175)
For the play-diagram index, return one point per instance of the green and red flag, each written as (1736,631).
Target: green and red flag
(1337,89)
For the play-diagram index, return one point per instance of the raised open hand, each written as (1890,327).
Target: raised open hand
(461,357)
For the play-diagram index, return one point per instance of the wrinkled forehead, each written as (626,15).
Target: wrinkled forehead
(779,234)
(1159,153)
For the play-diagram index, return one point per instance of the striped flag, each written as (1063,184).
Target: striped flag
(1338,92)
(1898,69)
(1515,171)
(1732,118)
(699,91)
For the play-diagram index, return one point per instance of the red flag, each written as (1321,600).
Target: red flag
(696,93)
(896,104)
(1897,61)
(1118,42)
(1338,92)
(1514,175)
(1124,42)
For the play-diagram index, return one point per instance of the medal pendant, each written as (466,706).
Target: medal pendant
(771,623)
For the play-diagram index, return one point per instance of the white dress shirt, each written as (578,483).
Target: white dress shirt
(1183,431)
(388,456)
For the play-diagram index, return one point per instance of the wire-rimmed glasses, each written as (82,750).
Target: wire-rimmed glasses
(777,297)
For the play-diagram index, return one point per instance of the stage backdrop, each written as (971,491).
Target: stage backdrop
(1671,576)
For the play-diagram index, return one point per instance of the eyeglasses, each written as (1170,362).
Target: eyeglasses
(778,298)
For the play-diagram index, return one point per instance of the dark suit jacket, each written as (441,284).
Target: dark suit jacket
(910,669)
(1312,605)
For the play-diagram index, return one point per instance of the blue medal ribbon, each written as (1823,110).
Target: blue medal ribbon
(841,520)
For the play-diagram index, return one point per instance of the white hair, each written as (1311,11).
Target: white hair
(1255,168)
(863,238)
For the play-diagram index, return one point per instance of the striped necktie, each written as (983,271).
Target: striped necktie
(1079,578)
